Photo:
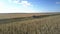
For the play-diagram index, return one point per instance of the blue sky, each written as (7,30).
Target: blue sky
(29,6)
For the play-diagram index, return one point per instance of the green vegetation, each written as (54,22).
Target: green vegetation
(46,25)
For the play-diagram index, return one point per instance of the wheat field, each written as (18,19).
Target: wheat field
(46,25)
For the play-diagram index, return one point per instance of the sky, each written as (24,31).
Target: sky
(29,6)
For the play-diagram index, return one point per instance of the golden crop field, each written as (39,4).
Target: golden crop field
(46,25)
(18,15)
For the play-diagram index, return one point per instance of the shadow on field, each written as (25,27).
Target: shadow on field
(23,18)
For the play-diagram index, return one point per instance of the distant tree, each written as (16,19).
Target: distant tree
(35,16)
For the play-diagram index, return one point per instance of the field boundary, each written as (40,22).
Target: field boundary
(24,18)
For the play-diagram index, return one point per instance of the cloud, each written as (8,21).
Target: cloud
(16,1)
(9,8)
(57,2)
(24,3)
